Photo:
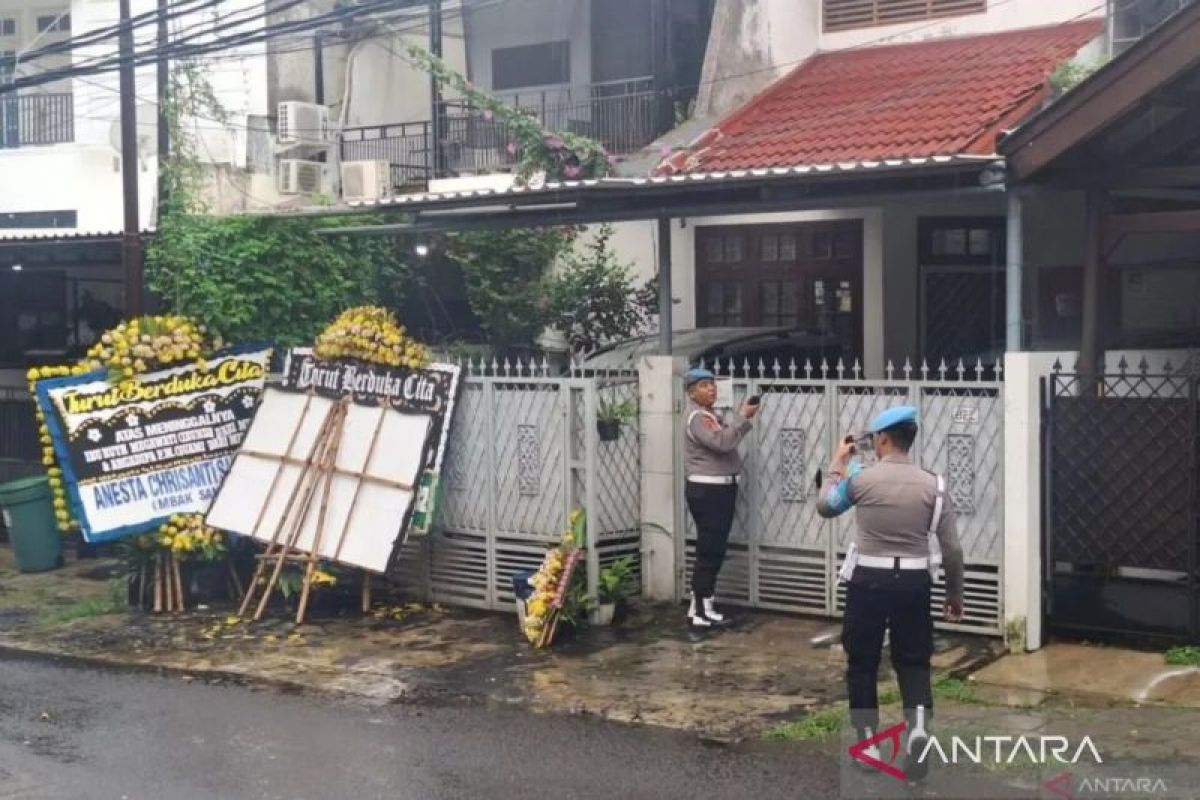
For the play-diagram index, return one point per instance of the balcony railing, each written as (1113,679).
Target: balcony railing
(36,119)
(624,116)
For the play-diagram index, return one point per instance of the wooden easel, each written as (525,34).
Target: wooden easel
(316,470)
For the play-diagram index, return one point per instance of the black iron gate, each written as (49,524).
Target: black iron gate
(1121,464)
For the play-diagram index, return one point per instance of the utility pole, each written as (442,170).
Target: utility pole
(319,69)
(163,80)
(437,112)
(131,242)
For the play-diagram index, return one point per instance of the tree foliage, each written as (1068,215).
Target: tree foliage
(593,298)
(504,272)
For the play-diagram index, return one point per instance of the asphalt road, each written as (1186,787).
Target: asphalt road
(68,732)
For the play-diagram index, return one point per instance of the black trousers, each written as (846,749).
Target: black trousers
(712,508)
(896,601)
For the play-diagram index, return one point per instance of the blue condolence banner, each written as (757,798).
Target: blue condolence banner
(136,452)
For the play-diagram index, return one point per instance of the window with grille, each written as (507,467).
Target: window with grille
(844,15)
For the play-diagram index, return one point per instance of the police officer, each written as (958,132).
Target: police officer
(904,519)
(712,466)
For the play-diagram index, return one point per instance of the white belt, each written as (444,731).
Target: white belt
(717,480)
(890,562)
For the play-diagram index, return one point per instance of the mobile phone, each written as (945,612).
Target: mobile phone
(754,400)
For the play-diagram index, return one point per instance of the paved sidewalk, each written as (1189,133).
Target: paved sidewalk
(650,669)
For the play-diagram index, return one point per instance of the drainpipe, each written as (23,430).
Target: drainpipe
(664,286)
(1014,247)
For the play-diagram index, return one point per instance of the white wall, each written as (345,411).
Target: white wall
(384,88)
(523,22)
(86,175)
(1000,16)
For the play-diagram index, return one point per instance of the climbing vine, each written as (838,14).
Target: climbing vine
(255,277)
(560,155)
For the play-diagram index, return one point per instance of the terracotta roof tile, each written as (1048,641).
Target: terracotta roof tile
(939,97)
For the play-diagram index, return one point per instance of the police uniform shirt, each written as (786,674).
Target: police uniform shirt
(711,446)
(894,500)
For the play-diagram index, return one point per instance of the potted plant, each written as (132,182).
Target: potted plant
(616,584)
(611,416)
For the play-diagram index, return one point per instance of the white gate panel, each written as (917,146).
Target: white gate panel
(784,556)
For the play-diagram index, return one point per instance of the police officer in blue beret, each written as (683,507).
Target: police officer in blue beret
(713,466)
(905,529)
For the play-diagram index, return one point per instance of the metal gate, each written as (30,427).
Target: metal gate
(524,451)
(1121,464)
(782,555)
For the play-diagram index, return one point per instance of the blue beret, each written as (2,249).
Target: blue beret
(696,375)
(892,417)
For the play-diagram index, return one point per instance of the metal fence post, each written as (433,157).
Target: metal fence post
(490,412)
(590,444)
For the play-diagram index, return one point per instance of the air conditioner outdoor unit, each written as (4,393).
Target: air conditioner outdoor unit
(302,177)
(366,180)
(304,123)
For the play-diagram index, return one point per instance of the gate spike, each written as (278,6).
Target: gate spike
(961,369)
(495,366)
(792,368)
(762,368)
(889,370)
(924,370)
(746,367)
(824,369)
(1056,366)
(1143,366)
(1168,367)
(942,369)
(507,367)
(1122,365)
(978,369)
(545,366)
(775,368)
(808,368)
(908,368)
(856,369)
(841,368)
(999,368)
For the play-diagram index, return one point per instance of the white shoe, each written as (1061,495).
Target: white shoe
(711,612)
(915,767)
(695,618)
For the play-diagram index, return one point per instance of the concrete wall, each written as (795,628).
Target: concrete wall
(524,22)
(750,44)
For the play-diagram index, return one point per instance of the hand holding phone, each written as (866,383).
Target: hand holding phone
(750,406)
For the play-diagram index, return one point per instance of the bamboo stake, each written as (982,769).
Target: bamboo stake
(260,567)
(328,466)
(236,581)
(141,592)
(180,605)
(158,584)
(294,534)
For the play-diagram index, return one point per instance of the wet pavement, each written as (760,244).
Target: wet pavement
(77,734)
(650,669)
(1072,668)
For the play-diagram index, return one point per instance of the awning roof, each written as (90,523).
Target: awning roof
(1140,110)
(624,199)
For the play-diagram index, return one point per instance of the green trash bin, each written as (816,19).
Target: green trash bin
(32,529)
